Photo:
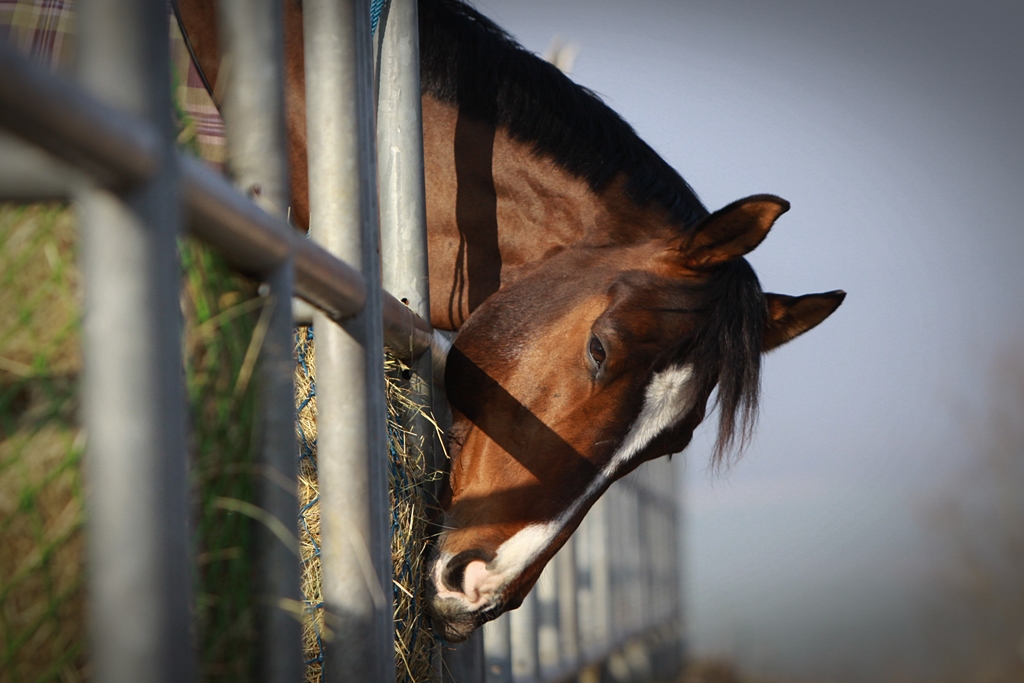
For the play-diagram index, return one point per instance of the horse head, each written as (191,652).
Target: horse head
(603,357)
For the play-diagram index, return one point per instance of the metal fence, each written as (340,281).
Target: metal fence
(608,601)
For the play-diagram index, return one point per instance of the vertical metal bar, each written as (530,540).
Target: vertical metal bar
(403,204)
(585,591)
(676,574)
(133,397)
(468,667)
(626,534)
(403,225)
(253,110)
(638,557)
(352,447)
(568,603)
(600,572)
(546,606)
(523,631)
(614,560)
(403,213)
(498,650)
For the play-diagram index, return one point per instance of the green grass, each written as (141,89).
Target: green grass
(221,313)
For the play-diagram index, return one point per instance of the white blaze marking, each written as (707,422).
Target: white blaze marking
(669,397)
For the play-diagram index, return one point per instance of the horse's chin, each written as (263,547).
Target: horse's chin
(452,621)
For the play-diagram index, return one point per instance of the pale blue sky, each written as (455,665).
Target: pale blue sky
(894,130)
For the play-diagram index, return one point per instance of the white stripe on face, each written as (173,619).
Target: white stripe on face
(667,400)
(669,397)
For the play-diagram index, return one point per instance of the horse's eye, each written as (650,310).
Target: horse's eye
(596,350)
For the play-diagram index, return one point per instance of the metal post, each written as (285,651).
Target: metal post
(633,595)
(523,634)
(498,650)
(253,110)
(133,396)
(28,174)
(600,572)
(403,204)
(468,666)
(677,565)
(585,589)
(546,592)
(403,225)
(352,448)
(403,213)
(568,604)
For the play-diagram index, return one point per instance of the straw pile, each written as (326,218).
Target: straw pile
(416,649)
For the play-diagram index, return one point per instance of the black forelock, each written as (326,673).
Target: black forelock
(726,350)
(468,61)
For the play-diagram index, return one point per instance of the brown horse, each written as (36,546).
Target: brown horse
(598,303)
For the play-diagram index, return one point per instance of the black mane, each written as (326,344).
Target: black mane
(468,61)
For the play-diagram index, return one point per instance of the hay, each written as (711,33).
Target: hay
(409,475)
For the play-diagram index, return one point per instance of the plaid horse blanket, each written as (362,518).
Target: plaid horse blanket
(44,31)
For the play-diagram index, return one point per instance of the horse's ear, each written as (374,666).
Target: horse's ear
(791,316)
(731,232)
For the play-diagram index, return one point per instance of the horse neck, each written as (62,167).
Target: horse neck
(496,209)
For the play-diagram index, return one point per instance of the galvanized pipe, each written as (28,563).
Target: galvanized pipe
(600,574)
(547,618)
(253,111)
(403,204)
(133,396)
(568,599)
(403,211)
(468,666)
(498,650)
(523,624)
(352,448)
(29,174)
(403,226)
(118,149)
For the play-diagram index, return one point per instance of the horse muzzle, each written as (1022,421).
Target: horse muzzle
(463,593)
(451,620)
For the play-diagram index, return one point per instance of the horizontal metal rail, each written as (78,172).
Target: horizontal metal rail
(117,150)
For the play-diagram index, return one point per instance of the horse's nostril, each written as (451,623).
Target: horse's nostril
(455,572)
